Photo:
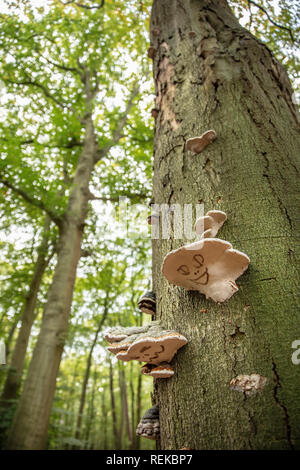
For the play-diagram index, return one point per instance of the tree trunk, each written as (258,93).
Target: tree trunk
(210,73)
(116,432)
(87,372)
(103,427)
(14,376)
(91,415)
(9,338)
(124,404)
(29,429)
(138,411)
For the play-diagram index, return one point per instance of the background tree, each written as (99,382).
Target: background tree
(221,77)
(54,62)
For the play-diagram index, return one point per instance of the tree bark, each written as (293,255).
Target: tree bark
(210,73)
(14,376)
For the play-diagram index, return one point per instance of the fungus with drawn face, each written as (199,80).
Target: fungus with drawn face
(149,425)
(197,144)
(210,266)
(153,348)
(209,225)
(147,303)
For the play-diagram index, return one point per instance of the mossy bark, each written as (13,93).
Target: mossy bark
(210,73)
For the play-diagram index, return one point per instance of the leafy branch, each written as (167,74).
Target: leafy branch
(81,5)
(122,122)
(31,200)
(251,2)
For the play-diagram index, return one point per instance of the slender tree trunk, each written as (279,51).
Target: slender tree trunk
(113,408)
(210,73)
(124,403)
(70,405)
(87,372)
(9,339)
(132,407)
(29,429)
(104,420)
(138,410)
(14,376)
(91,414)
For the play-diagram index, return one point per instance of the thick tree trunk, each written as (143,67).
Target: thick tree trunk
(29,429)
(210,73)
(14,376)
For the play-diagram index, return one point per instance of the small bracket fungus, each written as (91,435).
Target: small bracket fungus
(149,425)
(209,225)
(153,219)
(163,371)
(210,266)
(153,345)
(151,52)
(197,144)
(154,113)
(155,31)
(147,303)
(248,384)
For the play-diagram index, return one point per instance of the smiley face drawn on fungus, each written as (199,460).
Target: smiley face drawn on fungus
(196,270)
(210,266)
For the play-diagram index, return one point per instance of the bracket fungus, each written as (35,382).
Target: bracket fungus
(153,219)
(209,225)
(149,425)
(155,31)
(119,333)
(147,303)
(151,52)
(210,266)
(154,113)
(197,144)
(153,346)
(162,371)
